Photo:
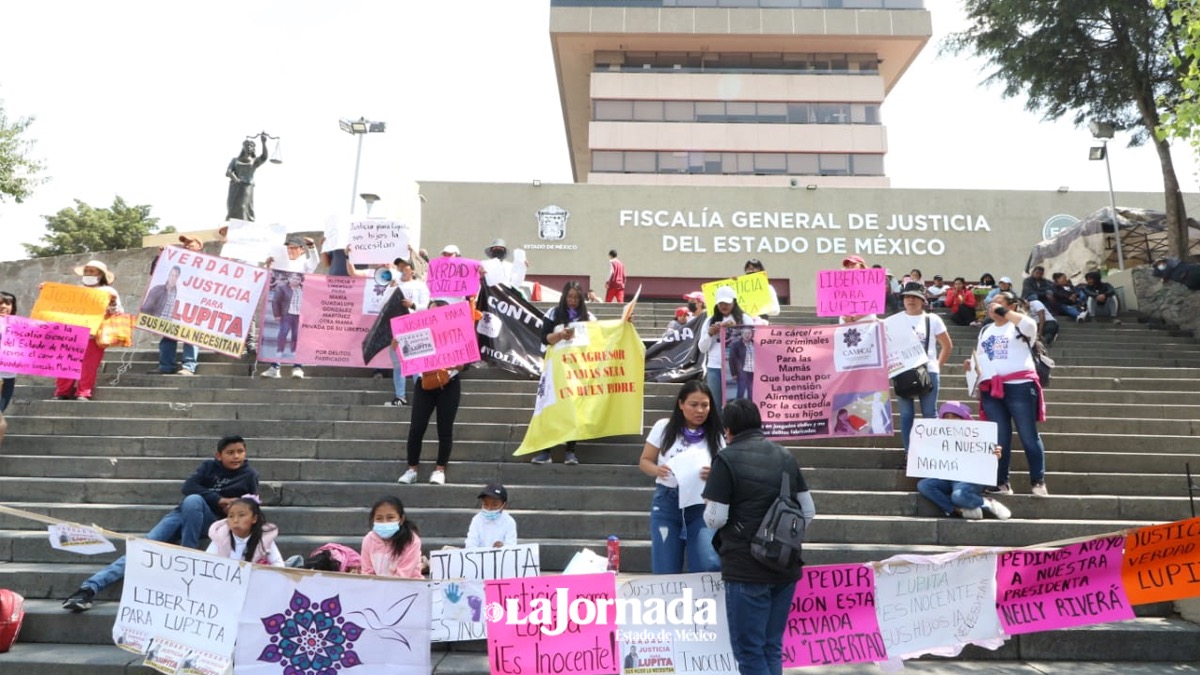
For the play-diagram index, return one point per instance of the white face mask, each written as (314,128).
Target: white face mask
(91,281)
(1161,268)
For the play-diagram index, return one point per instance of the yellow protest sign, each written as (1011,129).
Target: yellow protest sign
(591,387)
(753,293)
(72,305)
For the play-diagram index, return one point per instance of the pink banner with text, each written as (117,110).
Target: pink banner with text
(833,620)
(851,292)
(453,277)
(41,348)
(438,337)
(314,319)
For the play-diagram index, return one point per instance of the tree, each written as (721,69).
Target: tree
(18,173)
(1097,60)
(84,229)
(1181,117)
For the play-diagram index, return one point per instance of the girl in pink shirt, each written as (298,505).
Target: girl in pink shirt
(392,548)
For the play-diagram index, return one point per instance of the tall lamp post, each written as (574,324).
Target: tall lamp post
(359,127)
(370,198)
(1103,132)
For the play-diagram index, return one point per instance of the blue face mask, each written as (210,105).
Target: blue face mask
(491,515)
(385,530)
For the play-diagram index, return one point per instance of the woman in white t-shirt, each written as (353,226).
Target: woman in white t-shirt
(690,438)
(727,315)
(1009,391)
(938,348)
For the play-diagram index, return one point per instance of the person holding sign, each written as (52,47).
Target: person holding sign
(557,326)
(959,498)
(693,435)
(8,381)
(753,266)
(727,315)
(438,390)
(931,332)
(93,274)
(416,298)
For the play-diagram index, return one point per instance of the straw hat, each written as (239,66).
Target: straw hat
(109,277)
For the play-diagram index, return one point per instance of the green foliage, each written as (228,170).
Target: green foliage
(84,229)
(18,173)
(1181,117)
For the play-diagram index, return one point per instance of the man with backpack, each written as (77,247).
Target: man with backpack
(756,498)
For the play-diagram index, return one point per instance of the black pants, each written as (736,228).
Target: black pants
(424,402)
(6,392)
(964,315)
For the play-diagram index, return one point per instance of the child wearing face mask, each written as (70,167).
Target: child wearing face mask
(492,527)
(393,547)
(245,534)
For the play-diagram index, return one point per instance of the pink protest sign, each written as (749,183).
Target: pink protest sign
(314,319)
(41,348)
(438,337)
(851,292)
(832,620)
(453,277)
(819,380)
(1076,585)
(559,624)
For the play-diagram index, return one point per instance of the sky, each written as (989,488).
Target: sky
(150,100)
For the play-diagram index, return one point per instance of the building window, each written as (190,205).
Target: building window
(735,112)
(837,63)
(737,163)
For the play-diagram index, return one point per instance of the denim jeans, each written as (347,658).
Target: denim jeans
(1109,307)
(908,409)
(1070,310)
(674,532)
(757,615)
(289,325)
(166,355)
(949,495)
(714,378)
(187,524)
(1018,408)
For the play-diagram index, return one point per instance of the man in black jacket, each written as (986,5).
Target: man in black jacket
(1101,296)
(1037,287)
(741,486)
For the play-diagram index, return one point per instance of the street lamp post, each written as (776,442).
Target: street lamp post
(359,127)
(1103,132)
(370,198)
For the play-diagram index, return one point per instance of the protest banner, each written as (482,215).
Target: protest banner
(329,327)
(937,604)
(673,623)
(591,387)
(544,625)
(957,450)
(1162,562)
(453,277)
(510,331)
(377,241)
(851,292)
(676,357)
(832,620)
(904,350)
(41,348)
(753,293)
(72,305)
(202,300)
(179,607)
(438,337)
(78,539)
(336,234)
(456,612)
(506,562)
(820,380)
(297,622)
(1077,585)
(253,242)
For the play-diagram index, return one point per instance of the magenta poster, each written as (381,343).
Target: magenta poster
(438,337)
(851,292)
(820,380)
(832,620)
(1076,585)
(41,348)
(315,319)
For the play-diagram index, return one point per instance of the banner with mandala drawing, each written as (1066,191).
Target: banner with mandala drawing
(317,624)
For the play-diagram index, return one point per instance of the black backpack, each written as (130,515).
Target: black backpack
(914,382)
(777,542)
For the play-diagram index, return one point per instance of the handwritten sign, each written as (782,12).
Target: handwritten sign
(78,539)
(377,241)
(179,606)
(832,620)
(453,277)
(505,562)
(457,610)
(674,623)
(851,292)
(753,293)
(1162,562)
(958,450)
(439,337)
(543,625)
(1077,585)
(254,242)
(41,348)
(72,305)
(904,350)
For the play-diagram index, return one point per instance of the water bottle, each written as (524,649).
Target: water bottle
(614,554)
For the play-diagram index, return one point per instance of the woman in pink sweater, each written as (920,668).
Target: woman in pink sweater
(392,548)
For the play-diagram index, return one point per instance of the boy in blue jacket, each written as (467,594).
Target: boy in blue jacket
(207,495)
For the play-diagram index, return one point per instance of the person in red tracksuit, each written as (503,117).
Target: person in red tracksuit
(616,279)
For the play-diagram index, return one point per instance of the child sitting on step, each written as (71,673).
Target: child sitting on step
(958,498)
(492,527)
(393,547)
(245,534)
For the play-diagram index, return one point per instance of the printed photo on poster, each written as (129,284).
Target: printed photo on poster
(280,332)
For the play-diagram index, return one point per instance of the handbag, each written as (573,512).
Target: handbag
(914,382)
(116,331)
(435,379)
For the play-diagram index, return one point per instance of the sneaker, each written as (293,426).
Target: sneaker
(571,459)
(80,600)
(396,403)
(64,398)
(83,398)
(972,514)
(997,509)
(1039,489)
(438,477)
(409,477)
(975,324)
(272,372)
(1082,316)
(1116,322)
(156,371)
(1004,489)
(297,373)
(542,457)
(186,373)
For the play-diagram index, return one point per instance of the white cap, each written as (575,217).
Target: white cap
(726,294)
(451,248)
(1006,280)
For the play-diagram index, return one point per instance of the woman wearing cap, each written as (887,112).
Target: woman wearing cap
(495,267)
(682,316)
(556,327)
(930,331)
(1005,286)
(727,314)
(94,274)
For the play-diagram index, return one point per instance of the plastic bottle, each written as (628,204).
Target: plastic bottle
(614,554)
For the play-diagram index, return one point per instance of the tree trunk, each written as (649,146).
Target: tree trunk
(1177,230)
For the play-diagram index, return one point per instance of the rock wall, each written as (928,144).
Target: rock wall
(1169,303)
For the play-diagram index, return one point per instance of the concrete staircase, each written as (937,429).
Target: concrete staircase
(1123,416)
